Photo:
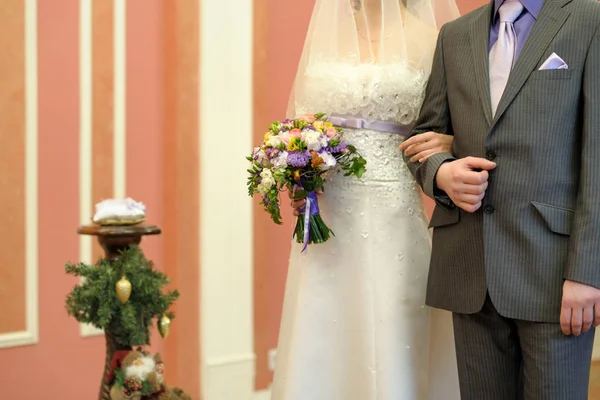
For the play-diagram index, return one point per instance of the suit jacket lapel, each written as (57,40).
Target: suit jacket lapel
(480,42)
(549,22)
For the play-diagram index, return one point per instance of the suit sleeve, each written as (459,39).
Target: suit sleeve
(583,263)
(434,116)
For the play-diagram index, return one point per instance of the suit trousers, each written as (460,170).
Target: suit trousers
(506,359)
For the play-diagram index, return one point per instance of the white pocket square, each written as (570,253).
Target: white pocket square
(554,62)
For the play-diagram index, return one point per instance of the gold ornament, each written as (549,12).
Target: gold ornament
(123,288)
(164,326)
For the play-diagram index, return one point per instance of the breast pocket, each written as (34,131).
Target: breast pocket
(552,96)
(551,74)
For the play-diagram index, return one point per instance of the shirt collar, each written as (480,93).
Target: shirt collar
(533,7)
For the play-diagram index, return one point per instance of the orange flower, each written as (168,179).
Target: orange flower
(316,160)
(296,175)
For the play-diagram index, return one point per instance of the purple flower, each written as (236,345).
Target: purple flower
(297,159)
(339,148)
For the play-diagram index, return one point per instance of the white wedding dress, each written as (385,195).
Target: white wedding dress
(355,325)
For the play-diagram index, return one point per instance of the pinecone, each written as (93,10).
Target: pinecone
(133,384)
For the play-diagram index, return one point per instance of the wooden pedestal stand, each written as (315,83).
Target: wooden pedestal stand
(113,240)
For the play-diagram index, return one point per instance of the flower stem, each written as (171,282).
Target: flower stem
(319,232)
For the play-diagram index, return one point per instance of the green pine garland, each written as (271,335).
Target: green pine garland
(94,301)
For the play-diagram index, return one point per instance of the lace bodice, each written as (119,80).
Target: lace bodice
(384,92)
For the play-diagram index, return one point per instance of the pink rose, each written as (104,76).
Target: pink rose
(285,138)
(308,118)
(296,133)
(331,132)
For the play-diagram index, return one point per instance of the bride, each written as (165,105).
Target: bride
(355,325)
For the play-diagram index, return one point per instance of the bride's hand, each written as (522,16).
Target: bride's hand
(421,147)
(298,204)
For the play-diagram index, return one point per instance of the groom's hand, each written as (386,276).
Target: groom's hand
(580,308)
(465,181)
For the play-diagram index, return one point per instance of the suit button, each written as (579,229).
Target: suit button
(489,209)
(490,155)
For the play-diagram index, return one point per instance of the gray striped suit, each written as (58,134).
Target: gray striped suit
(501,269)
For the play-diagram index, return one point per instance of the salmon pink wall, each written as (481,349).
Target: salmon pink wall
(145,117)
(272,243)
(466,6)
(12,169)
(58,138)
(131,110)
(181,187)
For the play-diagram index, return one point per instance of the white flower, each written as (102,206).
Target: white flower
(259,155)
(312,140)
(266,181)
(273,141)
(329,161)
(266,174)
(281,160)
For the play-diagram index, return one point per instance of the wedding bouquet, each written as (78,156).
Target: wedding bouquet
(296,155)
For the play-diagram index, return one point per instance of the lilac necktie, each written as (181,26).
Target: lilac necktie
(502,55)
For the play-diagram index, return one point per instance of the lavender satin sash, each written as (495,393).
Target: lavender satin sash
(345,121)
(311,208)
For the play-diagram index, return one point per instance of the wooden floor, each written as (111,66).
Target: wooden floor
(595,382)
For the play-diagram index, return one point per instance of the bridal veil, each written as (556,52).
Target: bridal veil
(358,32)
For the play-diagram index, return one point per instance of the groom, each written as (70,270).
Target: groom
(516,243)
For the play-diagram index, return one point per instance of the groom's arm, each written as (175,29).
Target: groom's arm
(434,116)
(583,264)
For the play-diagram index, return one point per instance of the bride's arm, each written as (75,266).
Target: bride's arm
(434,117)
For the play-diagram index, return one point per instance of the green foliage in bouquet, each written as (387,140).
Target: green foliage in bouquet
(94,301)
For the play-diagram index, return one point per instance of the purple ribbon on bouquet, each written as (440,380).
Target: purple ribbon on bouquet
(312,205)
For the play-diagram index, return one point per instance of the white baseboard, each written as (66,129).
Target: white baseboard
(229,378)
